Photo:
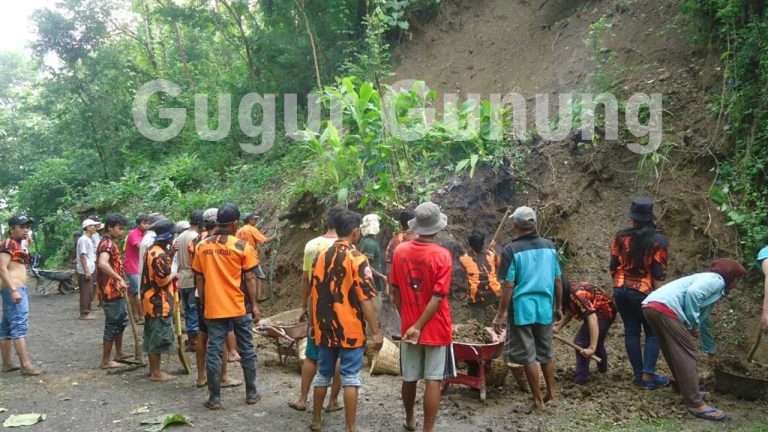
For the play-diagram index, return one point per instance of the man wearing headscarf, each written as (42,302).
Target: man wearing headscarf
(678,313)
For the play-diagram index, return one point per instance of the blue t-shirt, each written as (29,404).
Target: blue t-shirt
(761,256)
(531,263)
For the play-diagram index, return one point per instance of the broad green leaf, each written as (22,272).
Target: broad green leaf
(18,420)
(161,422)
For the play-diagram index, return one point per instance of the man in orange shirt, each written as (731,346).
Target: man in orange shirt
(255,237)
(404,235)
(341,292)
(220,264)
(157,299)
(112,288)
(482,282)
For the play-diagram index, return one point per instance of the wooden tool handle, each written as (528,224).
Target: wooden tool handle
(501,225)
(137,348)
(576,347)
(756,345)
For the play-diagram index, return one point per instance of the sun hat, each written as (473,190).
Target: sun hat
(89,222)
(370,225)
(429,219)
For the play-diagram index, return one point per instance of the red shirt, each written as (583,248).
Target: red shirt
(132,242)
(422,269)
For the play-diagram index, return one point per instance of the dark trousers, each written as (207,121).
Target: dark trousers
(582,339)
(86,293)
(629,303)
(217,335)
(679,348)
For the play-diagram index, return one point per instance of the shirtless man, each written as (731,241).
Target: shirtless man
(13,278)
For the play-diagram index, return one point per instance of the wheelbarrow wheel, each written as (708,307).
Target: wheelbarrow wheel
(66,287)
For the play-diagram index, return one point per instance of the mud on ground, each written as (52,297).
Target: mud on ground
(77,396)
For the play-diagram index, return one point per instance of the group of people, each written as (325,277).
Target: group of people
(213,266)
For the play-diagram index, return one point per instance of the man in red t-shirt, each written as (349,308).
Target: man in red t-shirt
(131,264)
(421,280)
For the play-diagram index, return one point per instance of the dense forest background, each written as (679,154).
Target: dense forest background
(70,147)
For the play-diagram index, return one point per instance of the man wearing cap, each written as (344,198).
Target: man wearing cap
(132,248)
(421,281)
(148,239)
(532,281)
(13,278)
(157,299)
(187,277)
(220,264)
(86,267)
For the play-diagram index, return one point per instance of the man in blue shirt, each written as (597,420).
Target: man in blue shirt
(532,282)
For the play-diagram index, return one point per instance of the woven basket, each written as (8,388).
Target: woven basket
(387,361)
(496,373)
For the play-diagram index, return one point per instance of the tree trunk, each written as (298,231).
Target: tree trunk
(300,4)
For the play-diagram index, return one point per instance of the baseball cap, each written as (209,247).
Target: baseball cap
(181,226)
(196,217)
(89,222)
(19,220)
(524,215)
(164,229)
(228,214)
(209,216)
(249,216)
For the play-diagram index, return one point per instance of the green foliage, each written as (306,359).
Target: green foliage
(390,168)
(740,26)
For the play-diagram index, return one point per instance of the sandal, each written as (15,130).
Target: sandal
(658,381)
(297,407)
(336,408)
(710,413)
(253,401)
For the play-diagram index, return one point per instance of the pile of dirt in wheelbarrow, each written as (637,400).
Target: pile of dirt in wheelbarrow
(741,367)
(472,332)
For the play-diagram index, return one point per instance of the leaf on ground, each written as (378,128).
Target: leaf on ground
(161,422)
(18,420)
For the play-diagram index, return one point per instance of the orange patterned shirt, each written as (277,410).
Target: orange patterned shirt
(157,300)
(341,280)
(623,270)
(481,275)
(12,247)
(107,286)
(586,299)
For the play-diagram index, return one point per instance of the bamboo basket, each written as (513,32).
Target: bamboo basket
(387,361)
(497,373)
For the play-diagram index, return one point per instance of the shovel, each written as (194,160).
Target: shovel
(138,356)
(576,347)
(179,337)
(501,225)
(755,346)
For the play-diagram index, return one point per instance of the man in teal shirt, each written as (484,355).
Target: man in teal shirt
(530,270)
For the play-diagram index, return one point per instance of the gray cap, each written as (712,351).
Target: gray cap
(154,218)
(209,216)
(429,220)
(524,216)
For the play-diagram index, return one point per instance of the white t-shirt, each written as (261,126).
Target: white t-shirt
(85,247)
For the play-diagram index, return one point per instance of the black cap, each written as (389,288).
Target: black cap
(163,226)
(227,214)
(154,218)
(641,210)
(19,220)
(196,218)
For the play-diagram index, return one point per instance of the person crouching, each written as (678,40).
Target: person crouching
(157,299)
(587,302)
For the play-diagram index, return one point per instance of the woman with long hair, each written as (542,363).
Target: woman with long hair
(638,267)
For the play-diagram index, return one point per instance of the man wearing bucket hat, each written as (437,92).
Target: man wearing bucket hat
(532,299)
(86,267)
(421,281)
(13,278)
(638,267)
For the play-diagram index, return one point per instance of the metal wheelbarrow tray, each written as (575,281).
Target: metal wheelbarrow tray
(283,333)
(738,384)
(480,355)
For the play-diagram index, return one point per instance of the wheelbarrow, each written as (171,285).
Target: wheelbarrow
(46,278)
(478,357)
(284,330)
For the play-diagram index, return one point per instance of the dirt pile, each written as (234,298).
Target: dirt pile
(472,332)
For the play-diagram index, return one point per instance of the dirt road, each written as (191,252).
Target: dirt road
(77,396)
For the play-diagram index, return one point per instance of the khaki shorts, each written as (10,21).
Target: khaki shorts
(433,363)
